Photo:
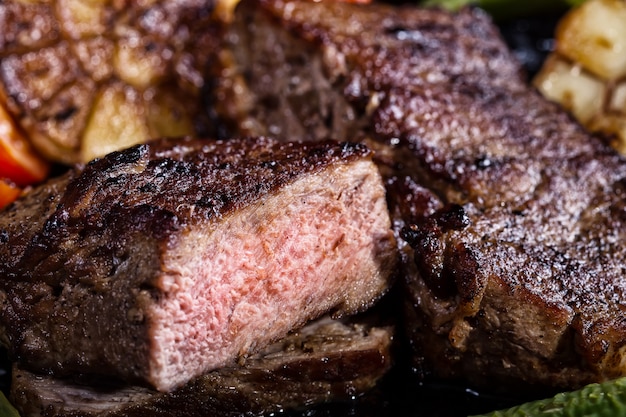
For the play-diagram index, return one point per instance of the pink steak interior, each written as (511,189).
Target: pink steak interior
(318,244)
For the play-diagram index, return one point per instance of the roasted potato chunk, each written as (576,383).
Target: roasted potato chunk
(85,77)
(587,71)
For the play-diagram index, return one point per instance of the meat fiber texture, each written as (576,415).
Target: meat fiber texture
(511,215)
(167,260)
(326,361)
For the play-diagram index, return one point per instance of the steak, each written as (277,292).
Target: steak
(327,360)
(162,262)
(510,216)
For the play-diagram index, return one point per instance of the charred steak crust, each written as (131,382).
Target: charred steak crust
(514,214)
(331,64)
(325,361)
(107,264)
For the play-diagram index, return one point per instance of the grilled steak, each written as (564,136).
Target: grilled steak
(325,361)
(514,215)
(164,261)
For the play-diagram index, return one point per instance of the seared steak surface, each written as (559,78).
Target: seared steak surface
(327,360)
(514,214)
(164,261)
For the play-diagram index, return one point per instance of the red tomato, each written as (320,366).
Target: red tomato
(8,193)
(18,161)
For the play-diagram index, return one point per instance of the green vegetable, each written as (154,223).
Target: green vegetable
(6,409)
(505,9)
(606,399)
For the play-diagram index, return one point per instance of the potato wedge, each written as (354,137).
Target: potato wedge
(586,73)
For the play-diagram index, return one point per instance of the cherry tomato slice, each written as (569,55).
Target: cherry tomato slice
(18,161)
(8,193)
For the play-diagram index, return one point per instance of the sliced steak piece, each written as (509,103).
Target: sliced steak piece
(514,214)
(328,360)
(164,261)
